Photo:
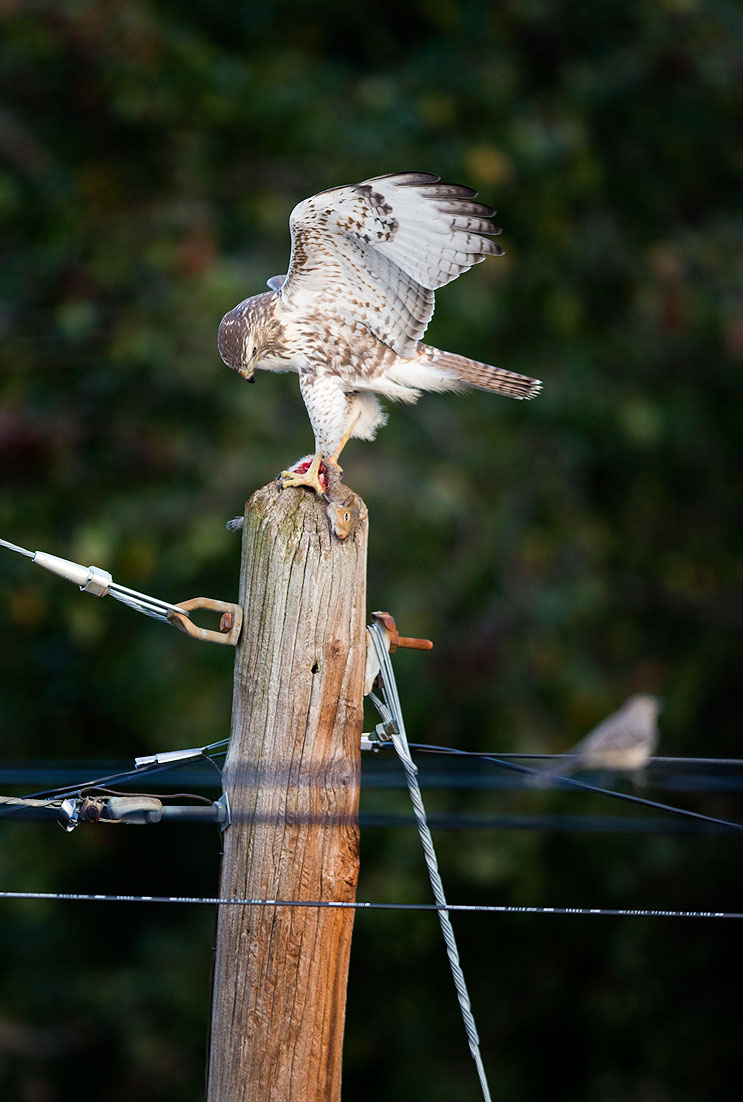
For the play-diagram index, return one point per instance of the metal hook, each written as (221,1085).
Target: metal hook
(230,624)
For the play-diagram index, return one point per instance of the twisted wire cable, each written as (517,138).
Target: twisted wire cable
(23,801)
(400,742)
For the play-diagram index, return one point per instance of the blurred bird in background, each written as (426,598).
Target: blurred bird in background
(624,741)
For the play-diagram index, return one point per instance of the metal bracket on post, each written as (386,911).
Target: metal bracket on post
(395,640)
(392,640)
(386,731)
(223,810)
(230,624)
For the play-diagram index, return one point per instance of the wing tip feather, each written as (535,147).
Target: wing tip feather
(410,178)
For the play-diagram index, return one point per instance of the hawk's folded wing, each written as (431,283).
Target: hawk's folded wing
(375,252)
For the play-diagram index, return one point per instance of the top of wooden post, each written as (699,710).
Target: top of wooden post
(293,511)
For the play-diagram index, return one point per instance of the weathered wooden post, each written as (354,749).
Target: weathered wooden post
(292,779)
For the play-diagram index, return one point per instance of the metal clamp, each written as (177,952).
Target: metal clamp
(69,813)
(391,728)
(134,809)
(230,624)
(98,582)
(224,813)
(388,623)
(383,733)
(392,640)
(167,757)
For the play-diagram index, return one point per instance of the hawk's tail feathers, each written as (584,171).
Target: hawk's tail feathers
(482,376)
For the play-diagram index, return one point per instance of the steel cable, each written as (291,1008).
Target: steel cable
(399,740)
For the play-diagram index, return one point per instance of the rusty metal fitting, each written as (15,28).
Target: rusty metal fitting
(91,808)
(229,624)
(396,640)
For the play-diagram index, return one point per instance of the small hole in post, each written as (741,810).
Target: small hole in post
(315,667)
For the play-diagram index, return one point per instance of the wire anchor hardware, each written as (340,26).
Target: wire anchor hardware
(395,640)
(392,640)
(390,711)
(230,623)
(137,810)
(384,629)
(99,583)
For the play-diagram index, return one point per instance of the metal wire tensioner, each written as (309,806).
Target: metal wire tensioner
(392,728)
(100,583)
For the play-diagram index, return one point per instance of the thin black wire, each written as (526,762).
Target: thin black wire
(98,782)
(15,775)
(475,908)
(210,758)
(98,790)
(472,908)
(440,821)
(506,761)
(572,824)
(8,767)
(144,770)
(656,759)
(54,794)
(158,768)
(573,783)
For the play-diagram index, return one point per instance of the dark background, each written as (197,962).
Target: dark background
(562,553)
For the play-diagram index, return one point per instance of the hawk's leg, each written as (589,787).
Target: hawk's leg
(328,407)
(346,437)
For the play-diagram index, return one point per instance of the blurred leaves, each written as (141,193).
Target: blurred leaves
(562,554)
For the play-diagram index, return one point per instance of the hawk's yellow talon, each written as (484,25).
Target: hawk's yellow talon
(309,478)
(289,479)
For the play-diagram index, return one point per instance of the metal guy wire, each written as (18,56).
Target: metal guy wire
(99,583)
(15,547)
(400,742)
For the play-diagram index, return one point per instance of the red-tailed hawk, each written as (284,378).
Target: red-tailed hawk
(349,315)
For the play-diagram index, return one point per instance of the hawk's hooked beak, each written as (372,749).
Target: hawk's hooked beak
(248,373)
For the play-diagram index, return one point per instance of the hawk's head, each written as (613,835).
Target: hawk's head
(247,334)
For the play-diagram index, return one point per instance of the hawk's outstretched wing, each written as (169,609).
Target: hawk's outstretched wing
(375,252)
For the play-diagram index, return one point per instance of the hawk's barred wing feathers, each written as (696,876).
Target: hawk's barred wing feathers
(375,252)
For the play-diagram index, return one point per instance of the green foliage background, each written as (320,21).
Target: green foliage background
(562,553)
